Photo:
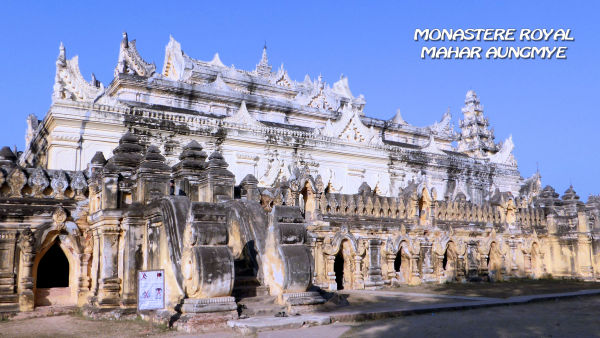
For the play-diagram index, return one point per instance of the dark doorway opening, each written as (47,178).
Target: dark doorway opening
(338,268)
(53,269)
(445,261)
(398,261)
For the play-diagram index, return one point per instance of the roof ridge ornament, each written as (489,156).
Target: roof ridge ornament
(350,127)
(342,88)
(69,84)
(432,146)
(219,84)
(176,62)
(397,119)
(130,60)
(243,117)
(444,126)
(216,61)
(263,68)
(505,155)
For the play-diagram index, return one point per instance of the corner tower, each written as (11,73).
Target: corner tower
(475,139)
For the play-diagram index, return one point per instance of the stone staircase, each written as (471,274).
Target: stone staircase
(9,302)
(253,299)
(246,286)
(261,306)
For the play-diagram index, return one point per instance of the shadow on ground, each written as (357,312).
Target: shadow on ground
(511,288)
(576,317)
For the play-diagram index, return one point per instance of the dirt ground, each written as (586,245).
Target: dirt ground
(573,317)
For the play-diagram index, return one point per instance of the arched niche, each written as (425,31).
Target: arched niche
(402,264)
(343,265)
(450,262)
(51,258)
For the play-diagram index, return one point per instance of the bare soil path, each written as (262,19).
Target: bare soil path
(573,317)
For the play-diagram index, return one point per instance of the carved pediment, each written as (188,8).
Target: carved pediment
(432,147)
(130,60)
(444,126)
(69,84)
(504,155)
(282,78)
(350,128)
(243,117)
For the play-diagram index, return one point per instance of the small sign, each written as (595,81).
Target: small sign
(151,289)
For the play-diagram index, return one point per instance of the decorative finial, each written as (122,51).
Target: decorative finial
(125,41)
(397,119)
(263,68)
(62,55)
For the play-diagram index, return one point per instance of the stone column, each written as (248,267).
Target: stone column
(109,281)
(95,264)
(460,269)
(414,267)
(391,273)
(374,277)
(439,267)
(84,279)
(527,266)
(314,247)
(359,282)
(8,297)
(26,244)
(584,252)
(514,267)
(483,267)
(427,268)
(331,283)
(132,229)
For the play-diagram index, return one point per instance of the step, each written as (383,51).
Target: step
(6,307)
(253,325)
(243,292)
(245,280)
(10,298)
(259,306)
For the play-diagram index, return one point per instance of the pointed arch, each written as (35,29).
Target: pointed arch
(71,249)
(340,236)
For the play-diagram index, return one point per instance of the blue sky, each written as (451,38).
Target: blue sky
(549,106)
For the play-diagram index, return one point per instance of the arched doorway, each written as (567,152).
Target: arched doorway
(402,266)
(450,262)
(338,268)
(343,266)
(398,261)
(52,278)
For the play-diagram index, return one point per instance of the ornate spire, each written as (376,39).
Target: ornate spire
(125,41)
(475,136)
(62,56)
(263,68)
